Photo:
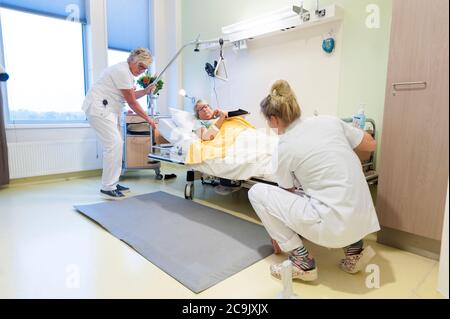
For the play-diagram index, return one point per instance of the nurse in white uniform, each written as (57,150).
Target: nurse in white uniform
(103,107)
(334,207)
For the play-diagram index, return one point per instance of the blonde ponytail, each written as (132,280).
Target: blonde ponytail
(282,103)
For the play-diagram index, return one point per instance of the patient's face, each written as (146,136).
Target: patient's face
(205,112)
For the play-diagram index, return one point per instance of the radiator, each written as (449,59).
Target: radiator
(46,158)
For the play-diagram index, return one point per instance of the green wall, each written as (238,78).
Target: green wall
(364,60)
(364,56)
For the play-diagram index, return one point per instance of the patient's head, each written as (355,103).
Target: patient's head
(203,111)
(280,107)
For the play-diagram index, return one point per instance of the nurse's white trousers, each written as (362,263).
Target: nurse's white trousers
(285,215)
(108,132)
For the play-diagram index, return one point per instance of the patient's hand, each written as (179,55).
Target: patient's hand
(220,113)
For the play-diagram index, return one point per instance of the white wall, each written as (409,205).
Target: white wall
(167,40)
(443,265)
(364,52)
(295,56)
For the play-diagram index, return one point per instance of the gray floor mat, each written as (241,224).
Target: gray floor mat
(197,245)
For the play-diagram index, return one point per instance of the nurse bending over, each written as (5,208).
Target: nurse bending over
(103,107)
(334,208)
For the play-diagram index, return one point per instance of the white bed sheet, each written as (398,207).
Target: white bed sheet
(253,154)
(177,136)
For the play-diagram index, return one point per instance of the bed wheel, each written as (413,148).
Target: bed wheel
(189,191)
(159,177)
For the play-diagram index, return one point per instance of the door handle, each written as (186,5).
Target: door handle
(407,86)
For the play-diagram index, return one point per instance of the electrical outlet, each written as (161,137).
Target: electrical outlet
(321,13)
(306,17)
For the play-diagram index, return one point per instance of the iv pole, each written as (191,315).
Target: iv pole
(197,42)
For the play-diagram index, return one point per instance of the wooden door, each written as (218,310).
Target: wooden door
(413,166)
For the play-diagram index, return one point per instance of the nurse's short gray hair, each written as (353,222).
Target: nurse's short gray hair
(140,55)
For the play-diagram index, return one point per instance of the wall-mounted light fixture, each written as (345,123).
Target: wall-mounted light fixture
(183,93)
(283,19)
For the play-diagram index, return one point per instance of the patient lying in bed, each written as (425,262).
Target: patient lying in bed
(209,121)
(238,151)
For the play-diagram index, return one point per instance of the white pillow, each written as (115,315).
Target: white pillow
(168,129)
(174,134)
(183,119)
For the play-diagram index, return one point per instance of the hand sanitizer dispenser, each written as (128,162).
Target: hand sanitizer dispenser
(359,120)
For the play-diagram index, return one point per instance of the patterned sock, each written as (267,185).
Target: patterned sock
(354,249)
(299,257)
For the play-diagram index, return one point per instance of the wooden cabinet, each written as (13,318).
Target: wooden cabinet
(137,146)
(413,164)
(137,150)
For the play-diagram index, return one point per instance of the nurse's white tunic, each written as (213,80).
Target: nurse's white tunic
(336,208)
(105,119)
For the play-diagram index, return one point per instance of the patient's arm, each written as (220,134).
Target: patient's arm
(207,134)
(222,116)
(210,133)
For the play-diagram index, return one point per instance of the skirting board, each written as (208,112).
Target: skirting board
(54,178)
(415,244)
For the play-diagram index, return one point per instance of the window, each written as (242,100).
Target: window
(116,56)
(44,57)
(128,28)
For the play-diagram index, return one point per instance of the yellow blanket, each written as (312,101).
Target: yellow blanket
(200,151)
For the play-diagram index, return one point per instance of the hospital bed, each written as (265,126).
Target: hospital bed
(210,172)
(229,176)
